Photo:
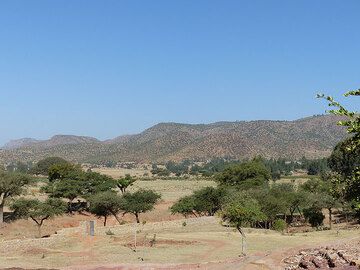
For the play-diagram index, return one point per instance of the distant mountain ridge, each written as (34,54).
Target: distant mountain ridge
(311,137)
(55,140)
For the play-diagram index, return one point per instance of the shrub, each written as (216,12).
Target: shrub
(279,225)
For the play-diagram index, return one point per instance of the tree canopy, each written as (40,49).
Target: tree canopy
(345,157)
(43,166)
(245,175)
(105,204)
(138,202)
(37,210)
(125,182)
(11,185)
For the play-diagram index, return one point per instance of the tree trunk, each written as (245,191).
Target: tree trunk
(137,217)
(117,218)
(243,240)
(1,213)
(330,218)
(39,230)
(105,218)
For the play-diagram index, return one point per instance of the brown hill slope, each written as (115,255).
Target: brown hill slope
(311,137)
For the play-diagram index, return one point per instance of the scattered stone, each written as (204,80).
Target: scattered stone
(342,257)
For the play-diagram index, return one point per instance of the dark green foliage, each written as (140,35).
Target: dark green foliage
(314,216)
(178,169)
(105,204)
(138,202)
(43,166)
(344,161)
(245,175)
(63,170)
(71,182)
(66,188)
(37,210)
(95,182)
(212,167)
(316,167)
(159,171)
(185,206)
(11,185)
(206,201)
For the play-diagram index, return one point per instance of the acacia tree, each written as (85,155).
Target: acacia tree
(185,206)
(11,185)
(105,204)
(37,210)
(242,212)
(206,201)
(65,188)
(138,202)
(43,166)
(247,175)
(125,182)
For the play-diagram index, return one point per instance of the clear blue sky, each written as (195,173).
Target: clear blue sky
(106,68)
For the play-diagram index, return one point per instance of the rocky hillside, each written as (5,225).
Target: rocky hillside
(311,137)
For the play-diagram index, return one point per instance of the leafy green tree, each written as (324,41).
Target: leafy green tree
(344,161)
(105,204)
(240,212)
(63,170)
(95,182)
(345,157)
(125,182)
(11,185)
(69,189)
(37,210)
(42,167)
(139,202)
(291,199)
(244,176)
(185,206)
(323,195)
(272,203)
(206,201)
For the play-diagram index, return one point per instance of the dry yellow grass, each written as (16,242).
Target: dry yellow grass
(201,240)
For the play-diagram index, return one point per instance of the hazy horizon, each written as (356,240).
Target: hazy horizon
(104,69)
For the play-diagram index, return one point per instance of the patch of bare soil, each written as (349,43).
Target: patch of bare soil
(343,256)
(161,242)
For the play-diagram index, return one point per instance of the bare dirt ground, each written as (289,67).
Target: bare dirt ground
(201,244)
